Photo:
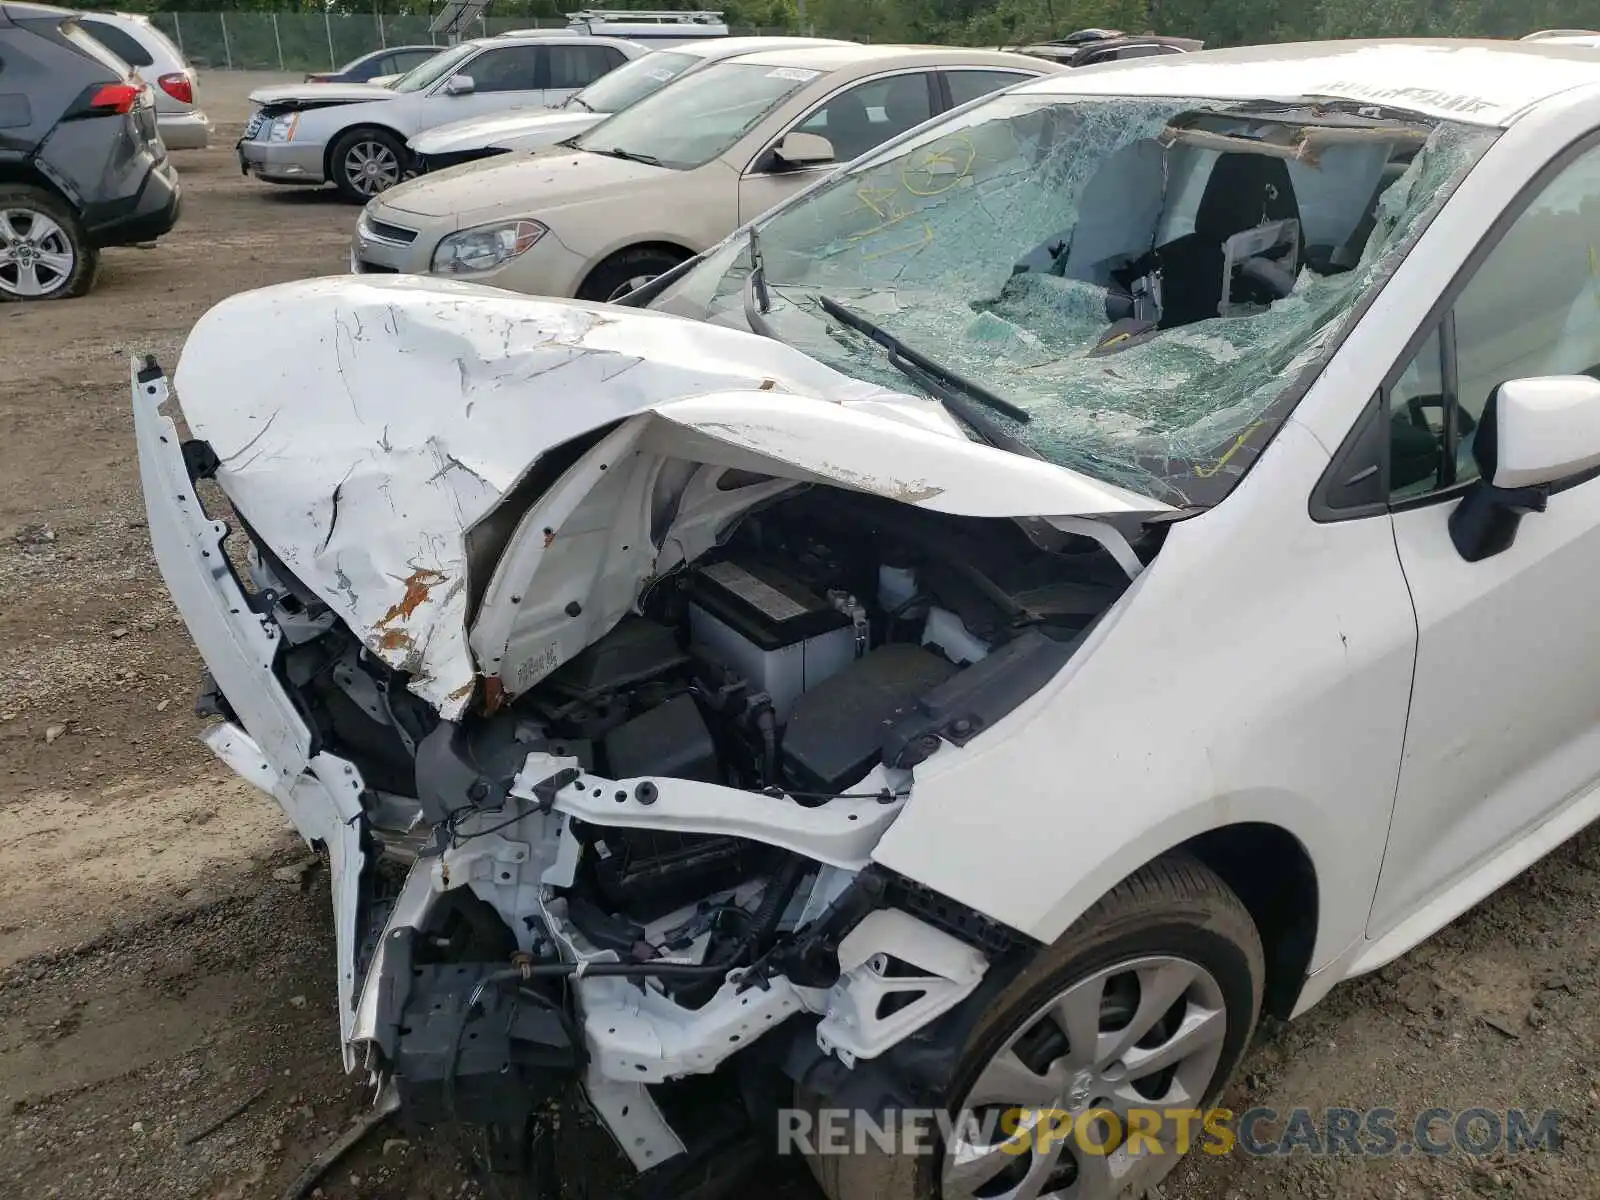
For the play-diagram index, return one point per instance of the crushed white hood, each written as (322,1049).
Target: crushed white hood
(364,424)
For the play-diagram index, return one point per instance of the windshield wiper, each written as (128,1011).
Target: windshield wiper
(577,99)
(757,299)
(627,155)
(958,404)
(902,357)
(758,272)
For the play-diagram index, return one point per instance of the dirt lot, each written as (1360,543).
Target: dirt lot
(164,956)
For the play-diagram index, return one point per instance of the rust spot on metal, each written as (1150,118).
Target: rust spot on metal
(494,695)
(767,385)
(462,692)
(395,639)
(418,584)
(549,536)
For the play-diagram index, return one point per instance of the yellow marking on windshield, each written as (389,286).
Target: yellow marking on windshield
(1238,444)
(925,240)
(959,149)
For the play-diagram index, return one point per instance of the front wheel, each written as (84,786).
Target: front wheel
(44,253)
(367,162)
(625,271)
(1133,1020)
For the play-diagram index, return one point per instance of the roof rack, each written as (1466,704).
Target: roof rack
(1083,36)
(652,16)
(456,15)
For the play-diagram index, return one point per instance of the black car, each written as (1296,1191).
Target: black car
(1089,46)
(81,164)
(393,60)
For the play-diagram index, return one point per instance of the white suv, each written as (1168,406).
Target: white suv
(153,57)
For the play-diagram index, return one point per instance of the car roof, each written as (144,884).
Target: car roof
(1475,81)
(1592,40)
(730,47)
(850,54)
(557,37)
(25,12)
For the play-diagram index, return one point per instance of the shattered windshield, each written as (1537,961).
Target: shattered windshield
(1145,280)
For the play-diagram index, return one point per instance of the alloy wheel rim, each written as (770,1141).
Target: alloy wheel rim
(628,285)
(36,255)
(1146,1033)
(371,167)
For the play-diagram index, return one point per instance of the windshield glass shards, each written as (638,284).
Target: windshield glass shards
(1147,281)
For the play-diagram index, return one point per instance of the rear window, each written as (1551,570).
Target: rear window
(118,42)
(152,33)
(95,49)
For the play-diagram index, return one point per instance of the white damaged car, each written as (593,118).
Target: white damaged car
(1109,565)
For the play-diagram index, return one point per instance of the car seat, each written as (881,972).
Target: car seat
(905,105)
(849,129)
(1244,191)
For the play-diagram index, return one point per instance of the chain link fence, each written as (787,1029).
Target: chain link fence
(317,41)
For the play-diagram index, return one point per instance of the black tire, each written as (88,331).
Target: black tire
(1174,906)
(613,277)
(27,207)
(370,146)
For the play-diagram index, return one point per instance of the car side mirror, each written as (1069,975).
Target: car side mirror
(803,150)
(459,85)
(1535,435)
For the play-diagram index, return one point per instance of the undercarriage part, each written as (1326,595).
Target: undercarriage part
(723,1142)
(469,1051)
(479,1055)
(460,768)
(636,651)
(897,974)
(812,958)
(995,940)
(914,1073)
(671,739)
(835,729)
(965,705)
(649,872)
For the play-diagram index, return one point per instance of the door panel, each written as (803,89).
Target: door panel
(855,121)
(502,77)
(1505,714)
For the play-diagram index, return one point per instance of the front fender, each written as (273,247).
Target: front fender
(1258,671)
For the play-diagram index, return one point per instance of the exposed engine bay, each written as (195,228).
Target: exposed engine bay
(658,854)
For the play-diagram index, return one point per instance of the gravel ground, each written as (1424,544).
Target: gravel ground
(165,953)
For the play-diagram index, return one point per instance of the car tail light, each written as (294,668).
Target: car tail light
(178,86)
(115,98)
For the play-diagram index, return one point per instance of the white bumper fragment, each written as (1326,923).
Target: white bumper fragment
(319,792)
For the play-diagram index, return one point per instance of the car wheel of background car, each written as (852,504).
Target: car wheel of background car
(1146,1003)
(44,254)
(365,162)
(626,270)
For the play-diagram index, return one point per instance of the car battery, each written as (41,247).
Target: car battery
(781,637)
